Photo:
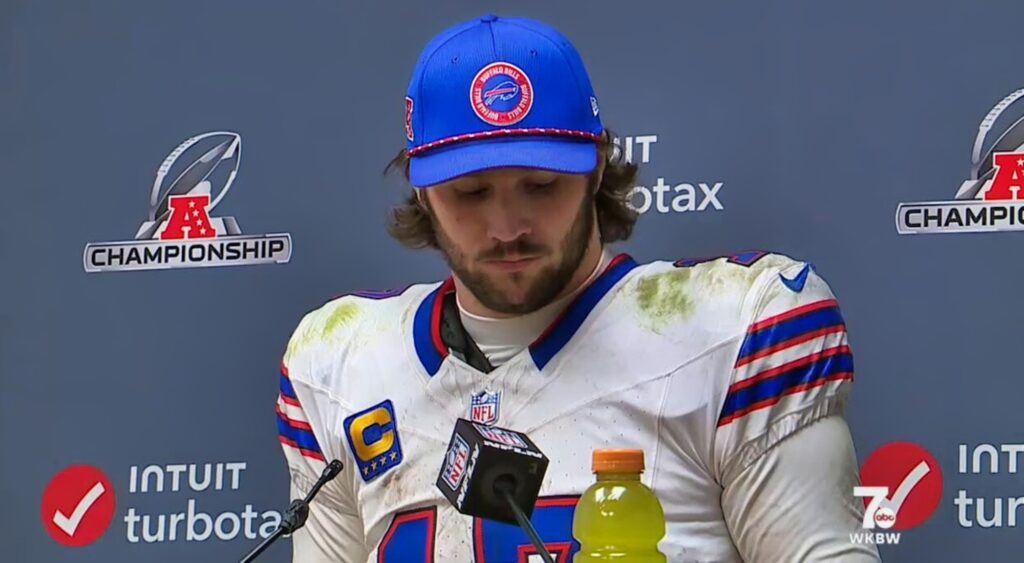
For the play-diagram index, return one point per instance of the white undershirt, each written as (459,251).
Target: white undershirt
(501,339)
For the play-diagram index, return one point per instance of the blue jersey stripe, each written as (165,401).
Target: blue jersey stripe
(741,400)
(302,438)
(789,329)
(422,333)
(286,387)
(545,348)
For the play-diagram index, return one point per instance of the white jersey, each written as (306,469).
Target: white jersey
(706,365)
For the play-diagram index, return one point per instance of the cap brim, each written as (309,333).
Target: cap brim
(568,156)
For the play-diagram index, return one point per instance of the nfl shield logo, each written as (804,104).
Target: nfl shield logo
(483,407)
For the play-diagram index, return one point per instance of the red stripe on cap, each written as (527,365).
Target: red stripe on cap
(533,131)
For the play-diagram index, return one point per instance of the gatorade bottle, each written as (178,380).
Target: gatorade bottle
(618,518)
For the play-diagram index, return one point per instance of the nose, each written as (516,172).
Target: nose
(508,219)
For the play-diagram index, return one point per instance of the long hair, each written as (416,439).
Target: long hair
(410,222)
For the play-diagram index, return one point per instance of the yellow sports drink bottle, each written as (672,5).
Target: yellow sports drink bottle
(618,518)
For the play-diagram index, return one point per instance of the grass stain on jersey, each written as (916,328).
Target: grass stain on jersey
(342,315)
(320,325)
(665,297)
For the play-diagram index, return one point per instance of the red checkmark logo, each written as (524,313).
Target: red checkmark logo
(78,505)
(913,478)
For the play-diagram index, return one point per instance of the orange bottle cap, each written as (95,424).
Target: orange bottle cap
(618,461)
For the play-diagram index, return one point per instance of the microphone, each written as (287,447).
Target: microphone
(496,474)
(295,516)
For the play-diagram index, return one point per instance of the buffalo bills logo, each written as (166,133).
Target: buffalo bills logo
(501,94)
(504,92)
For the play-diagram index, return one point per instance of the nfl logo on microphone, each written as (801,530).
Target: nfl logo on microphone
(483,407)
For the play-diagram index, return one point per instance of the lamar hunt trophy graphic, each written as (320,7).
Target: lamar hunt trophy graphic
(181,231)
(992,198)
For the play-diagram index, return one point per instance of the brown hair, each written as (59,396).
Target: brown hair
(410,222)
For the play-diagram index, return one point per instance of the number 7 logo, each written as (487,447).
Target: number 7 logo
(914,476)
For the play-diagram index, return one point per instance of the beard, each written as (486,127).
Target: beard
(546,283)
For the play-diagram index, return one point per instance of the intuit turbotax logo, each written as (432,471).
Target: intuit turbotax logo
(663,196)
(79,505)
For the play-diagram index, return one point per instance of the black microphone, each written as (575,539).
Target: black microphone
(295,516)
(496,474)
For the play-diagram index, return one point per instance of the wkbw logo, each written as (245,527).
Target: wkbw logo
(992,198)
(901,484)
(182,230)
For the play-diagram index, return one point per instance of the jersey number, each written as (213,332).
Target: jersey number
(410,537)
(742,259)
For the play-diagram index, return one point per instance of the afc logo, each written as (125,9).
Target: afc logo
(189,218)
(991,198)
(1009,176)
(182,229)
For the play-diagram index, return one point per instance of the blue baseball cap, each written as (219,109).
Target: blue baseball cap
(499,92)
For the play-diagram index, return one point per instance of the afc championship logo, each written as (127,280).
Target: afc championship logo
(181,231)
(991,199)
(501,94)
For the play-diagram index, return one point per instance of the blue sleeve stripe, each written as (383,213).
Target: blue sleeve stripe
(303,439)
(286,387)
(800,378)
(792,330)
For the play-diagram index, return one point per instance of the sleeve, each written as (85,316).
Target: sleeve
(334,529)
(795,502)
(793,366)
(783,451)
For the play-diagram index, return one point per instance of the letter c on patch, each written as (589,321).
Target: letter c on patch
(372,434)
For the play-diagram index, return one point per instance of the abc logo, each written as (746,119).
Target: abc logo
(885,518)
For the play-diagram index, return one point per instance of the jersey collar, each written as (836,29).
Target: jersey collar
(426,326)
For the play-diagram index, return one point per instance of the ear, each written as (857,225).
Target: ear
(421,199)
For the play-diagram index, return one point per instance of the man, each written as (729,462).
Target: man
(731,373)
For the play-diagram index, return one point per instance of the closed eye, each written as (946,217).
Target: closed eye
(540,186)
(476,193)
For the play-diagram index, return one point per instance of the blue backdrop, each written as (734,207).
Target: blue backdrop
(809,121)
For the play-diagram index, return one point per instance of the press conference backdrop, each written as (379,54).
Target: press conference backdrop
(145,398)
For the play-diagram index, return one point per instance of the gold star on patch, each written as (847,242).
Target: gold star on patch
(374,465)
(394,456)
(366,471)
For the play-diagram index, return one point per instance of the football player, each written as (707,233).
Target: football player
(730,373)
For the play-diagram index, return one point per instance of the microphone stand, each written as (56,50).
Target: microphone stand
(524,522)
(295,516)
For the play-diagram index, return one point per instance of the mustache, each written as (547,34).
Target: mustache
(519,247)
